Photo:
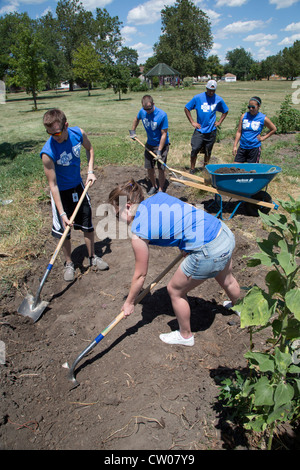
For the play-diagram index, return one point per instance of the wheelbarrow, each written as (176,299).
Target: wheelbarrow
(245,186)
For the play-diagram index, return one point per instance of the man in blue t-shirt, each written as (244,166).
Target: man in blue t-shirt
(206,105)
(61,159)
(155,122)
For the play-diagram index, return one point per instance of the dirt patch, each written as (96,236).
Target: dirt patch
(135,392)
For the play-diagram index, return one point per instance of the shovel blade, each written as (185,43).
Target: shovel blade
(27,308)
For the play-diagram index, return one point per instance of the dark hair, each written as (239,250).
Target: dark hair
(147,99)
(257,99)
(131,190)
(54,115)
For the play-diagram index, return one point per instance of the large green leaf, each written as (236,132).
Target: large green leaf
(264,393)
(292,300)
(283,394)
(256,308)
(264,361)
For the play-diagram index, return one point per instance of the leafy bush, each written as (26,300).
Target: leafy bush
(271,392)
(136,85)
(288,119)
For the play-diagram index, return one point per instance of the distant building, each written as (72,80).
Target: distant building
(165,74)
(229,77)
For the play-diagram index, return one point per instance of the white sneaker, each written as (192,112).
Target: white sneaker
(175,338)
(228,304)
(99,263)
(69,271)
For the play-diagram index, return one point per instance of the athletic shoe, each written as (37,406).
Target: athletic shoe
(228,304)
(69,271)
(175,338)
(99,263)
(152,191)
(192,171)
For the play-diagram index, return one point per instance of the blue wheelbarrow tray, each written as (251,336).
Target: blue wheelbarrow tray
(257,176)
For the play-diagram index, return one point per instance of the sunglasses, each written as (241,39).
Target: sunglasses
(148,109)
(251,107)
(56,134)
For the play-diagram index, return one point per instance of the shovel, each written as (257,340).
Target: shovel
(172,170)
(106,330)
(32,306)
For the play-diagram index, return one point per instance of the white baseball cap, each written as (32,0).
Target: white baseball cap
(211,85)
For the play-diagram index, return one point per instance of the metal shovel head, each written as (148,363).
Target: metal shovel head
(27,308)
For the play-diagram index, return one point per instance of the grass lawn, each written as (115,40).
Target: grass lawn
(108,120)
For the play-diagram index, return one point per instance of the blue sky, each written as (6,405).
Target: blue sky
(262,27)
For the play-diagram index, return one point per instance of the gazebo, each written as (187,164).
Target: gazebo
(165,73)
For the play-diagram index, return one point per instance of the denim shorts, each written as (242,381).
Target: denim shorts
(210,259)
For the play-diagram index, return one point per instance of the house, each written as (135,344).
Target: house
(229,77)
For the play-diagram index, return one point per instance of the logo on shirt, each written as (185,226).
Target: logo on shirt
(64,159)
(206,107)
(253,124)
(150,124)
(76,150)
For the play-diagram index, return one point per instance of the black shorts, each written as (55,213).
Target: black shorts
(69,199)
(149,159)
(248,155)
(203,142)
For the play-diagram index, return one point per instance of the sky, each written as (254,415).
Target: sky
(261,27)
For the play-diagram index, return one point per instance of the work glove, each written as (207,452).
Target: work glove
(158,155)
(132,134)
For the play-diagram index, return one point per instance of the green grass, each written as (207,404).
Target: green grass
(107,121)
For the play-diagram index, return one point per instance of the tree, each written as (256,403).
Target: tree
(86,64)
(213,66)
(53,56)
(128,58)
(9,26)
(288,61)
(268,67)
(239,63)
(75,26)
(186,38)
(27,62)
(106,35)
(117,77)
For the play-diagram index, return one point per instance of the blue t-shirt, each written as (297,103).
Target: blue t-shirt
(206,108)
(66,157)
(252,126)
(154,123)
(167,221)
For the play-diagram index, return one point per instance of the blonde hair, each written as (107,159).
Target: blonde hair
(131,190)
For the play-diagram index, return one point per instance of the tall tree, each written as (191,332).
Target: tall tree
(213,66)
(27,62)
(86,64)
(9,26)
(106,35)
(186,38)
(239,63)
(74,26)
(128,58)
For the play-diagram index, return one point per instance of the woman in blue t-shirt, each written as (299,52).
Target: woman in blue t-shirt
(206,242)
(249,133)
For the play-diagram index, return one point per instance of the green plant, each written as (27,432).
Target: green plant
(288,119)
(271,391)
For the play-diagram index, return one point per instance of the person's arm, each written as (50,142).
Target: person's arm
(90,157)
(219,122)
(195,124)
(49,169)
(237,136)
(162,143)
(272,129)
(141,253)
(133,127)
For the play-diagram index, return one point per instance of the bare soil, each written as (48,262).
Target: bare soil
(135,392)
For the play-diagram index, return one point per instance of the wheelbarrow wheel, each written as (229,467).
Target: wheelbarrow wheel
(252,209)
